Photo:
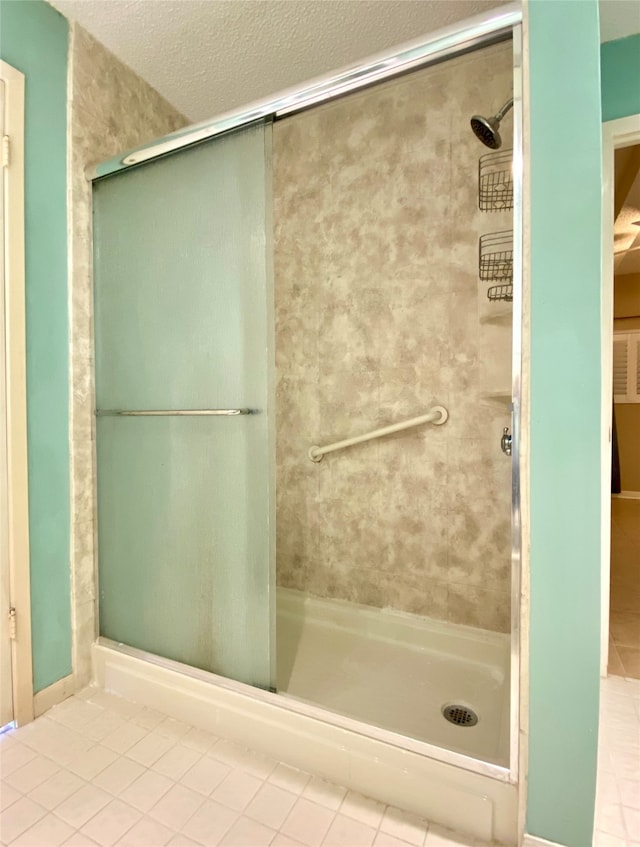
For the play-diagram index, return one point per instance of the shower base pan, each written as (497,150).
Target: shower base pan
(397,671)
(477,797)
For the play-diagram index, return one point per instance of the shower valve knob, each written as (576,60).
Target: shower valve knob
(505,441)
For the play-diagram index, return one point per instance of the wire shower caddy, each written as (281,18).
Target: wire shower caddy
(495,264)
(495,181)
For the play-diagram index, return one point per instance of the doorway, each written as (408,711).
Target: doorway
(624,602)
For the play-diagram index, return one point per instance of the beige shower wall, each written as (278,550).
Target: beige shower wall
(380,315)
(110,109)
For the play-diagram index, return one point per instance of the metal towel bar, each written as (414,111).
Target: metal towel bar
(438,415)
(171,412)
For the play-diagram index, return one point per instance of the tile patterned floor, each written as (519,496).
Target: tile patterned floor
(624,627)
(618,795)
(99,770)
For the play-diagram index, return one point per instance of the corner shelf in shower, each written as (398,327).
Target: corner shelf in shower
(498,396)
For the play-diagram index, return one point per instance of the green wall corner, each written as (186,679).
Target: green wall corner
(34,39)
(564,54)
(620,66)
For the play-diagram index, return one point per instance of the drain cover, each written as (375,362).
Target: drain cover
(460,715)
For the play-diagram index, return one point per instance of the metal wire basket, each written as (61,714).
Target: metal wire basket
(495,181)
(500,292)
(495,257)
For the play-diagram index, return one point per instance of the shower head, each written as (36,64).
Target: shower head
(486,129)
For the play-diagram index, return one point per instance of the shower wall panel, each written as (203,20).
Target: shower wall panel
(379,315)
(110,109)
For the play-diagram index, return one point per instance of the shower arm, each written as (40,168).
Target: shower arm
(503,111)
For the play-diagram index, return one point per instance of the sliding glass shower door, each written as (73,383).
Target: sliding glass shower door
(183,382)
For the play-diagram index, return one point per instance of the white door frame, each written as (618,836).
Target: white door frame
(619,133)
(16,396)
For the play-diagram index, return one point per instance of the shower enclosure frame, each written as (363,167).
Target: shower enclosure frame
(480,31)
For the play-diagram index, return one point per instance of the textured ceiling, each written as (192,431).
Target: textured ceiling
(208,56)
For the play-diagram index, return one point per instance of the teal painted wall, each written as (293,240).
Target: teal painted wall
(564,53)
(34,38)
(620,64)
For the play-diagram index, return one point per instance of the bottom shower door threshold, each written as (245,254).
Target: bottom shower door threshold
(445,787)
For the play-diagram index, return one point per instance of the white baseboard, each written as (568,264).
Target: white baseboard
(627,495)
(53,694)
(472,803)
(534,841)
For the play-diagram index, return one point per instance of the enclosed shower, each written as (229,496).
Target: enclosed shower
(304,407)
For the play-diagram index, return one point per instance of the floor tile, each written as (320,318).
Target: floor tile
(603,839)
(91,762)
(21,815)
(308,822)
(325,793)
(145,791)
(608,818)
(246,831)
(79,839)
(146,833)
(176,807)
(439,837)
(291,779)
(404,825)
(177,761)
(173,728)
(631,819)
(149,749)
(284,841)
(205,775)
(629,792)
(181,840)
(346,832)
(362,809)
(29,776)
(199,740)
(118,775)
(14,758)
(49,831)
(148,718)
(210,823)
(8,795)
(56,789)
(237,790)
(383,839)
(81,806)
(111,823)
(271,805)
(123,737)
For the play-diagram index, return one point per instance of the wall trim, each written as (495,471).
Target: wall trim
(53,694)
(16,398)
(619,133)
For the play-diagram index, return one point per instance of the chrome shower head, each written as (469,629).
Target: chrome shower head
(486,129)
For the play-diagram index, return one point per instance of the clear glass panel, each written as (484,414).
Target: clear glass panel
(183,322)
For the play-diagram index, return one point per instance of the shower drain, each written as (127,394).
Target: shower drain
(460,715)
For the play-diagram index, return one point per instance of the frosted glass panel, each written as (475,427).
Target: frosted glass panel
(180,258)
(183,322)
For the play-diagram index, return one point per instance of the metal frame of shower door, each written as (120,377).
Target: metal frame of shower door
(476,32)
